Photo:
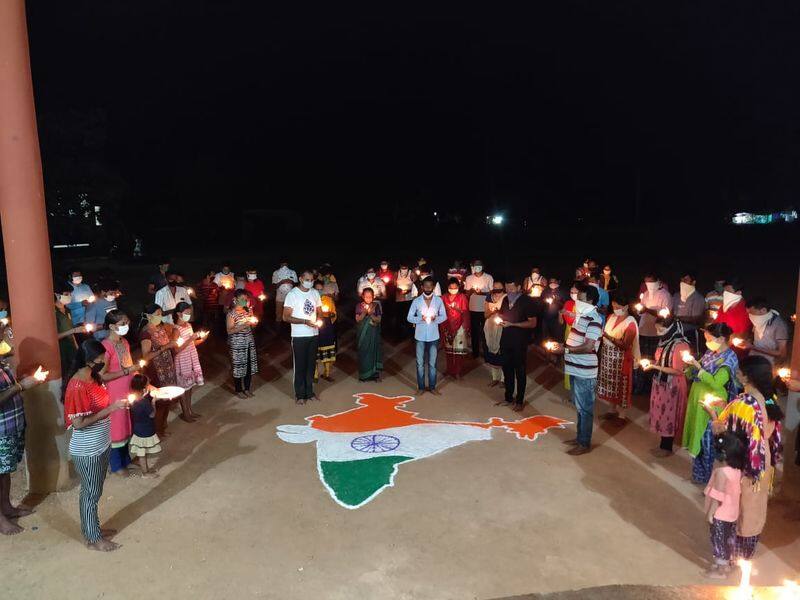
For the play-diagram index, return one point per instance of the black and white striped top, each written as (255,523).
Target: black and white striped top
(82,399)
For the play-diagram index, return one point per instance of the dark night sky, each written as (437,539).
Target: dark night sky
(553,110)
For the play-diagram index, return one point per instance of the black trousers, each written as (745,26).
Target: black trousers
(514,355)
(304,352)
(402,327)
(477,320)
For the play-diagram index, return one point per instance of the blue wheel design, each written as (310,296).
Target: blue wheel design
(377,443)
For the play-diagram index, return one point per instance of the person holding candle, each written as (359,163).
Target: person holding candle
(493,332)
(456,329)
(554,300)
(159,279)
(116,376)
(87,411)
(424,273)
(105,302)
(12,442)
(144,441)
(258,293)
(208,294)
(170,296)
(368,337)
(426,313)
(67,342)
(689,308)
(226,282)
(714,300)
(404,294)
(326,351)
(653,299)
(534,280)
(158,339)
(713,382)
(80,298)
(608,280)
(372,281)
(302,309)
(669,392)
(770,332)
(244,358)
(517,318)
(330,285)
(603,304)
(734,314)
(476,286)
(188,372)
(283,279)
(620,352)
(580,363)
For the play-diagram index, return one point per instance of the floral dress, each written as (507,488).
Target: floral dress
(188,372)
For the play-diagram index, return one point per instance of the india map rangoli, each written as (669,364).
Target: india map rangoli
(359,450)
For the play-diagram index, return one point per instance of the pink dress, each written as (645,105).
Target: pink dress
(117,358)
(187,363)
(668,399)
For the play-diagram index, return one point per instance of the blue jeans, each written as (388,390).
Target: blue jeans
(432,349)
(582,392)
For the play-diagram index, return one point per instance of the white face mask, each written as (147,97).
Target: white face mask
(77,280)
(452,292)
(185,317)
(652,286)
(760,322)
(384,266)
(660,331)
(582,307)
(427,294)
(477,269)
(370,275)
(65,299)
(252,276)
(308,284)
(574,296)
(122,330)
(110,298)
(729,299)
(686,291)
(621,312)
(553,286)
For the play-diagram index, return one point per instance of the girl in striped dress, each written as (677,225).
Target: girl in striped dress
(188,372)
(244,360)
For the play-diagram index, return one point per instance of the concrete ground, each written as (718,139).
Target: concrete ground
(237,513)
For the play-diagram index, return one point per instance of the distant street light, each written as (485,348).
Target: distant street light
(497,220)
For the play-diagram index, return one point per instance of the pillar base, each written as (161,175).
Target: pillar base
(47,458)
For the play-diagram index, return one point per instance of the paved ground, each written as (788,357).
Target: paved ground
(237,513)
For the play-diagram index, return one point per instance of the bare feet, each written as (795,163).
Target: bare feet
(242,395)
(9,528)
(15,512)
(103,545)
(494,383)
(185,417)
(196,415)
(249,394)
(300,401)
(108,533)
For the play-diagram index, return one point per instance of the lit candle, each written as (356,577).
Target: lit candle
(663,313)
(639,307)
(536,291)
(131,399)
(253,320)
(319,322)
(549,300)
(4,321)
(190,291)
(416,271)
(40,374)
(498,320)
(784,373)
(713,314)
(88,327)
(325,309)
(202,334)
(745,589)
(262,297)
(386,278)
(686,356)
(794,318)
(91,299)
(641,296)
(737,341)
(179,342)
(645,363)
(710,400)
(142,363)
(550,345)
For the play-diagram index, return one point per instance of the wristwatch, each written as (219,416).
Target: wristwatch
(566,350)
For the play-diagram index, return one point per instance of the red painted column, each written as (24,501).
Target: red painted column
(27,251)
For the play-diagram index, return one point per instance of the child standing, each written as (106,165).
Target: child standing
(144,441)
(722,501)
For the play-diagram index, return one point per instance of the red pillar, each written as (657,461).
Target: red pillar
(27,250)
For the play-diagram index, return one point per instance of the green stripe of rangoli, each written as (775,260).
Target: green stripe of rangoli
(355,481)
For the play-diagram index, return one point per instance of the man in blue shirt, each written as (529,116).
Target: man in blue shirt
(103,304)
(82,297)
(426,313)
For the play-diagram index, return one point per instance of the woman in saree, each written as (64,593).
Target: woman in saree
(493,331)
(619,355)
(455,330)
(368,337)
(714,385)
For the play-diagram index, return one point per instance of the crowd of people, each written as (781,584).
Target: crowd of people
(708,363)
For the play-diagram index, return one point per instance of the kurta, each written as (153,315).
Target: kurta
(668,398)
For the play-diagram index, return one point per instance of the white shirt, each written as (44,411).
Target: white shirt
(304,305)
(225,281)
(278,276)
(483,285)
(167,301)
(376,284)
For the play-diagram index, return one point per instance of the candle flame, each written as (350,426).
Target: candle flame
(745,589)
(639,307)
(91,299)
(131,398)
(686,356)
(737,341)
(190,291)
(179,342)
(4,322)
(89,327)
(550,345)
(40,374)
(710,400)
(549,300)
(142,363)
(663,313)
(498,320)
(253,320)
(262,297)
(713,314)
(645,363)
(325,309)
(784,372)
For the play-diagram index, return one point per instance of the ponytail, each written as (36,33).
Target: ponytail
(87,352)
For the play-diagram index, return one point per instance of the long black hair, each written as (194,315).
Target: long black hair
(113,317)
(758,371)
(87,353)
(148,310)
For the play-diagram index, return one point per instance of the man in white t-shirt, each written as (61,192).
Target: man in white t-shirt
(284,279)
(476,286)
(169,296)
(301,309)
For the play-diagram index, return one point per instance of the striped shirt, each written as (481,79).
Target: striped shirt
(12,412)
(82,399)
(587,326)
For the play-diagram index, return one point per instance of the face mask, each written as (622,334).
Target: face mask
(652,286)
(65,299)
(77,280)
(384,266)
(713,345)
(452,292)
(660,331)
(5,348)
(621,312)
(760,322)
(574,296)
(553,286)
(404,272)
(729,299)
(582,307)
(477,269)
(370,275)
(3,314)
(308,284)
(185,317)
(252,276)
(154,319)
(226,270)
(686,291)
(122,330)
(586,265)
(110,298)
(427,294)
(719,286)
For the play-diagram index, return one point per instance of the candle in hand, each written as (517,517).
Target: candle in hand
(319,323)
(91,299)
(131,399)
(4,321)
(253,320)
(190,291)
(713,314)
(262,297)
(40,374)
(142,363)
(709,400)
(784,373)
(498,320)
(737,341)
(89,327)
(645,363)
(385,279)
(179,342)
(325,309)
(549,300)
(639,307)
(663,313)
(550,345)
(686,356)
(202,334)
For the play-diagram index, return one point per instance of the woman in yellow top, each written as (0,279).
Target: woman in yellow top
(326,351)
